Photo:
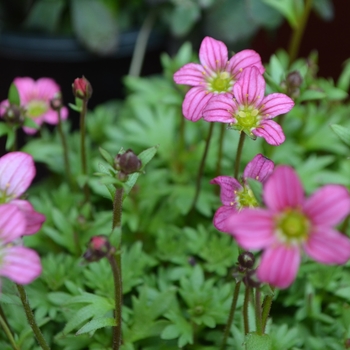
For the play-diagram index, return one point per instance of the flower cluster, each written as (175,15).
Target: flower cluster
(232,91)
(17,218)
(35,97)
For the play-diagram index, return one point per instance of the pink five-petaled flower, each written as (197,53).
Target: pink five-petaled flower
(249,111)
(291,224)
(235,196)
(35,97)
(20,264)
(17,171)
(216,74)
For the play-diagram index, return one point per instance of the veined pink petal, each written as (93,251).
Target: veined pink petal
(242,60)
(195,101)
(3,106)
(30,131)
(328,206)
(228,186)
(20,264)
(271,132)
(221,215)
(190,74)
(213,54)
(283,189)
(259,168)
(250,88)
(47,88)
(252,228)
(328,246)
(17,171)
(279,265)
(220,109)
(275,104)
(34,220)
(12,223)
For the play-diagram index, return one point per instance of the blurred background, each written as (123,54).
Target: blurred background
(65,39)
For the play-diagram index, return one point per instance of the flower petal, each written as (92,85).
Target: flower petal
(34,220)
(270,131)
(190,74)
(26,89)
(213,55)
(51,116)
(17,171)
(12,223)
(228,186)
(252,228)
(276,104)
(242,60)
(328,246)
(220,109)
(283,189)
(259,168)
(328,206)
(250,88)
(279,265)
(20,264)
(221,216)
(195,101)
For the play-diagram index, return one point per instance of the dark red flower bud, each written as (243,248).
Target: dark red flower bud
(127,163)
(56,102)
(98,248)
(246,260)
(82,88)
(294,79)
(14,114)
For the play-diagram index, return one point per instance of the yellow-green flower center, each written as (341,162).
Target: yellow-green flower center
(36,108)
(293,226)
(247,117)
(245,198)
(222,82)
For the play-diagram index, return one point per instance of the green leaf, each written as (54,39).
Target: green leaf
(5,129)
(107,156)
(344,79)
(290,9)
(342,132)
(312,95)
(74,107)
(13,95)
(30,123)
(183,17)
(256,187)
(97,323)
(258,342)
(94,26)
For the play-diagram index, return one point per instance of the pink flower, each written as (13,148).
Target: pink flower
(17,171)
(20,264)
(291,224)
(216,74)
(249,111)
(235,196)
(35,97)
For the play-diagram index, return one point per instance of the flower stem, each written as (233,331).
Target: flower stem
(239,153)
(31,319)
(7,331)
(258,319)
(298,32)
(245,310)
(65,149)
(141,45)
(115,262)
(201,166)
(220,150)
(232,312)
(266,307)
(83,150)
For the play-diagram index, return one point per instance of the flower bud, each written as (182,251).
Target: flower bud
(14,114)
(127,163)
(294,79)
(82,88)
(246,260)
(251,280)
(98,248)
(56,102)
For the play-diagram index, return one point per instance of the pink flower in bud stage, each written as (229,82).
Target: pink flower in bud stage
(249,111)
(35,97)
(17,170)
(215,75)
(20,264)
(82,88)
(291,224)
(235,196)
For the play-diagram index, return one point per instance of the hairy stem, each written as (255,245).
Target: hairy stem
(31,319)
(266,307)
(258,319)
(298,32)
(231,314)
(220,150)
(245,310)
(8,333)
(83,149)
